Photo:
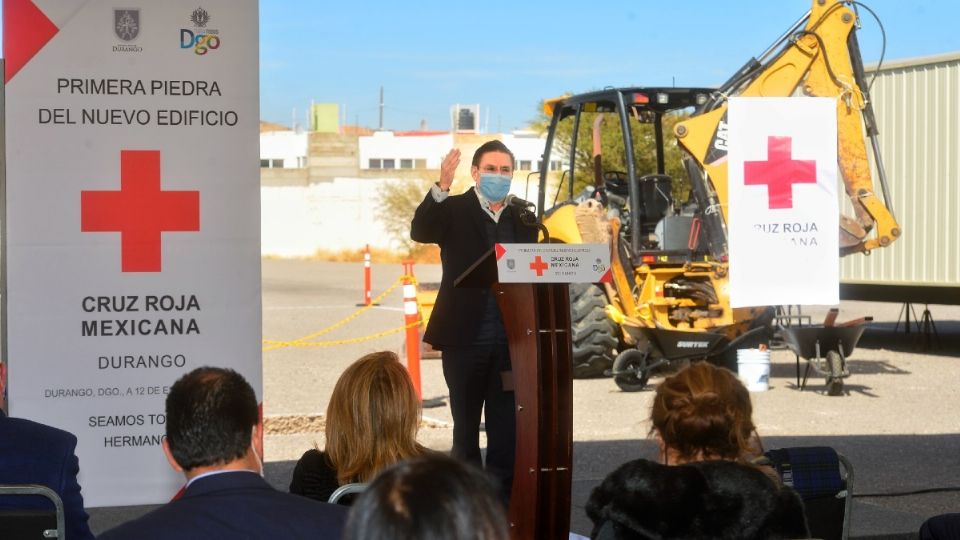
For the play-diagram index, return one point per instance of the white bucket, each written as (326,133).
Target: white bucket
(753,367)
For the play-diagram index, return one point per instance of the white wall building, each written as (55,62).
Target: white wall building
(301,216)
(283,150)
(389,150)
(299,221)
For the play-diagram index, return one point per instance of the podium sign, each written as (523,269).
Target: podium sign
(553,263)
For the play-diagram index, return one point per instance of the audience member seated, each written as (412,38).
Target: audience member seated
(429,498)
(707,486)
(214,437)
(371,423)
(32,453)
(942,527)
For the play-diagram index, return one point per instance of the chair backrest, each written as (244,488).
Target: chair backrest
(346,489)
(32,523)
(824,480)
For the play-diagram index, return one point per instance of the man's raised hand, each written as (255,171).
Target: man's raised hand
(448,167)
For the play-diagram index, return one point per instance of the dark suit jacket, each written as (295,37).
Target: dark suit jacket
(457,226)
(33,453)
(235,504)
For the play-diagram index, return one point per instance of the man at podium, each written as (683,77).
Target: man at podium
(466,325)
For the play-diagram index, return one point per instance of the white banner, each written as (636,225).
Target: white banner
(783,215)
(553,263)
(132,220)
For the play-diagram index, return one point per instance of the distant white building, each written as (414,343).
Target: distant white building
(426,149)
(404,150)
(283,150)
(313,184)
(527,148)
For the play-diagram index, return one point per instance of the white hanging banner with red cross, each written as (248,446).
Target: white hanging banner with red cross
(132,220)
(783,217)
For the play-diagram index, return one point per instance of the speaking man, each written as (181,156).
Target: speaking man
(465,324)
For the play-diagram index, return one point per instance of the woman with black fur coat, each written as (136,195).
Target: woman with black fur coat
(708,486)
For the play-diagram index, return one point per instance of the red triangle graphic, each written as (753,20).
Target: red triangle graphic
(500,250)
(25,31)
(607,277)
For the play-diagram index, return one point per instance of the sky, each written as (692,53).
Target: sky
(507,56)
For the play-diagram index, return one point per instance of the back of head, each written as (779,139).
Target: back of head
(211,413)
(429,498)
(372,418)
(703,412)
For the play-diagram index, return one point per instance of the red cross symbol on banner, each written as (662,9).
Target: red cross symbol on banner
(779,172)
(539,266)
(140,211)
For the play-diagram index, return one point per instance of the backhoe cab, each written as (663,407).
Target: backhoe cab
(666,284)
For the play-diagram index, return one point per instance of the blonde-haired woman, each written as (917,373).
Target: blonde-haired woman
(372,422)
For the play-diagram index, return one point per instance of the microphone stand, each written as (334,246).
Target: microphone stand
(530,219)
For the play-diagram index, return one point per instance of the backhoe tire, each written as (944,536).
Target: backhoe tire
(835,374)
(594,336)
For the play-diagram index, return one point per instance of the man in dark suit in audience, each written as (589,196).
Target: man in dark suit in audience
(214,437)
(32,453)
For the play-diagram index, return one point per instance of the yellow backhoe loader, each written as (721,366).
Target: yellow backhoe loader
(666,220)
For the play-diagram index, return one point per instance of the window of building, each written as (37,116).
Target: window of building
(276,163)
(555,164)
(374,164)
(389,164)
(523,165)
(264,163)
(301,162)
(406,163)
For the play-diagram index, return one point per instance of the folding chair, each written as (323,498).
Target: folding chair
(824,480)
(24,523)
(344,490)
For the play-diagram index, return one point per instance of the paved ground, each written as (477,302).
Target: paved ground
(897,421)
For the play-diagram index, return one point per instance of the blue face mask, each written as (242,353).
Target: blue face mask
(494,187)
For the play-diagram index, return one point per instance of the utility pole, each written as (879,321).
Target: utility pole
(381,108)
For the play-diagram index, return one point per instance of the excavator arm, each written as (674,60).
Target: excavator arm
(818,57)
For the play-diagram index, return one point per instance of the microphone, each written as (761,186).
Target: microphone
(513,200)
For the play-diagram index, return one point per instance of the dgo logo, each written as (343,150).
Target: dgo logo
(200,38)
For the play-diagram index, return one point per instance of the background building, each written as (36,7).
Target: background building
(329,201)
(917,104)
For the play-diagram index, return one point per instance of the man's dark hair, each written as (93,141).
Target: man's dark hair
(210,414)
(492,146)
(429,498)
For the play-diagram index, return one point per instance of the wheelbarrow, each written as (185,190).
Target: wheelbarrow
(632,367)
(826,348)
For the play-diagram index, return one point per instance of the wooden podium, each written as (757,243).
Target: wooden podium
(536,317)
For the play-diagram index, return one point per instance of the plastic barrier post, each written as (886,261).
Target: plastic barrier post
(411,318)
(366,276)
